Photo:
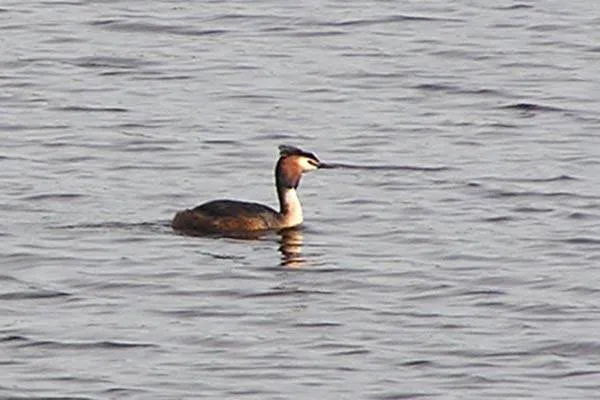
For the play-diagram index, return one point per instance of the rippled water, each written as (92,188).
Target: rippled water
(456,255)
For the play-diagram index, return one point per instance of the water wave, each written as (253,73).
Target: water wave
(386,167)
(92,109)
(532,107)
(33,295)
(91,345)
(148,27)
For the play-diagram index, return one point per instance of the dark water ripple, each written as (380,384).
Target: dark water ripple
(386,167)
(53,345)
(452,89)
(108,62)
(531,107)
(127,26)
(451,253)
(91,109)
(384,20)
(53,196)
(31,295)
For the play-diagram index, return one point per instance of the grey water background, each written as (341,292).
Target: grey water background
(457,259)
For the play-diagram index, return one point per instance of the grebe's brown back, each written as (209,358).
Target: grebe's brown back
(231,217)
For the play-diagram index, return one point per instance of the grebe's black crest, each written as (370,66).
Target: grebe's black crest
(286,150)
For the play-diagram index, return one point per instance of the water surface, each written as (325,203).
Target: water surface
(454,256)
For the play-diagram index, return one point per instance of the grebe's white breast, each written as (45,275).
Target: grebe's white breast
(293,209)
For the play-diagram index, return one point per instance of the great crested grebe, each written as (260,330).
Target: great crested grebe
(232,217)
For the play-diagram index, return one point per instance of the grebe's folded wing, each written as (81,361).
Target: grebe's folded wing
(232,208)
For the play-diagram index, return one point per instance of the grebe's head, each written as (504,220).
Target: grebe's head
(292,163)
(303,159)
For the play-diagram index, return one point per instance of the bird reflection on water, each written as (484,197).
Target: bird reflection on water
(291,241)
(290,244)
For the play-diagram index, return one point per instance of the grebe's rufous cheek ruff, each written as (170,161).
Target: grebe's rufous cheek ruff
(231,217)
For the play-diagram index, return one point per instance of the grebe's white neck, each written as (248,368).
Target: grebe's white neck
(291,209)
